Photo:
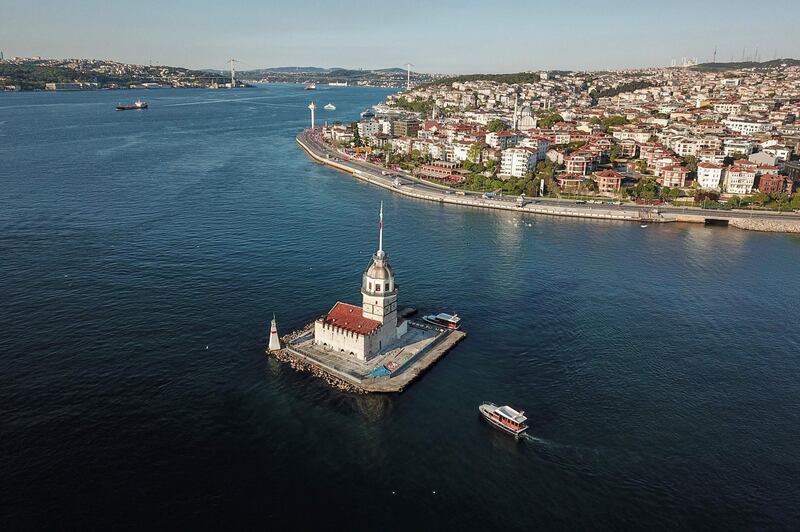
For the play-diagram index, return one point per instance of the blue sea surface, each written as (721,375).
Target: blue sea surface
(142,254)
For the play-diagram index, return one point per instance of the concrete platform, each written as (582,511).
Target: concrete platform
(419,349)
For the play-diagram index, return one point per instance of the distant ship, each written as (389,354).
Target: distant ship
(330,107)
(138,104)
(368,114)
(311,86)
(338,84)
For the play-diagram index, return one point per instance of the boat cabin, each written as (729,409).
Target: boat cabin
(509,417)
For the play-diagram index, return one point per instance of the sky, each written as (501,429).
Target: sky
(447,36)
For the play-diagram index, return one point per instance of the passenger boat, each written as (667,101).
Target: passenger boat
(330,107)
(311,86)
(367,113)
(449,321)
(504,418)
(138,104)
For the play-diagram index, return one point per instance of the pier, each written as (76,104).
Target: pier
(421,348)
(417,188)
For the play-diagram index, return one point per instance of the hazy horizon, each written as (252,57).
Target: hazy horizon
(449,37)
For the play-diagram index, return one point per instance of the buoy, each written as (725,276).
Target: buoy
(274,341)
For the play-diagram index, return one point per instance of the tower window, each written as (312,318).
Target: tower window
(370,285)
(377,288)
(387,287)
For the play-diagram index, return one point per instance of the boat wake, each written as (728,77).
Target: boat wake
(573,455)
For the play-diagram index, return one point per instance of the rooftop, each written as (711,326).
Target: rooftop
(350,318)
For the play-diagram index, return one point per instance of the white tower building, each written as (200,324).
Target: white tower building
(274,340)
(363,332)
(378,291)
(312,106)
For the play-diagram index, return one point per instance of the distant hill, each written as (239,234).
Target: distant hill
(738,65)
(386,77)
(519,77)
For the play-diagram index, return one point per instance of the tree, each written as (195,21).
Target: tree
(474,153)
(614,152)
(691,163)
(549,120)
(496,125)
(641,166)
(356,137)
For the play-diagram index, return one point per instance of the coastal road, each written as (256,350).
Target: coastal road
(440,192)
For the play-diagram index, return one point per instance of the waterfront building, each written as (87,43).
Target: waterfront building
(739,179)
(608,181)
(363,332)
(709,175)
(674,176)
(517,162)
(774,184)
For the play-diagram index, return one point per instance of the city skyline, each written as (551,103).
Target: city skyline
(450,37)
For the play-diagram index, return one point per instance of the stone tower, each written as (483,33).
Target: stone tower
(378,289)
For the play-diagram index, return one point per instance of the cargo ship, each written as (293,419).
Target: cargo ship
(448,321)
(504,418)
(138,104)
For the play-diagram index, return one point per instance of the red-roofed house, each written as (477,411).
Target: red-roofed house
(608,181)
(674,176)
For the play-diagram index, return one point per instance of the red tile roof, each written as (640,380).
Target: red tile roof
(609,173)
(350,318)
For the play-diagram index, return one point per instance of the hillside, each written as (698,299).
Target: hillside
(738,65)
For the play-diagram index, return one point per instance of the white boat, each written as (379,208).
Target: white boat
(311,86)
(368,114)
(330,107)
(643,225)
(449,321)
(504,418)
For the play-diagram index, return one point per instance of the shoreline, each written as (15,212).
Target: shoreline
(766,222)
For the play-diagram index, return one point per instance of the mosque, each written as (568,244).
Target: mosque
(363,332)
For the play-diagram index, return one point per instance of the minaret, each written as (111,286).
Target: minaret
(274,341)
(516,99)
(312,106)
(378,290)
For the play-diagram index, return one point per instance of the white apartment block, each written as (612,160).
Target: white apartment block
(517,162)
(743,146)
(728,108)
(369,129)
(709,176)
(739,180)
(746,127)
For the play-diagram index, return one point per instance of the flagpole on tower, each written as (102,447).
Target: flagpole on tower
(380,234)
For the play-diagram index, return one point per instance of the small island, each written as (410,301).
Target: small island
(373,347)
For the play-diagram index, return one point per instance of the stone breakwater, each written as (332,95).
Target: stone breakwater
(772,226)
(302,366)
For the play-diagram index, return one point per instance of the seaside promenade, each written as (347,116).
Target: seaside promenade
(416,188)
